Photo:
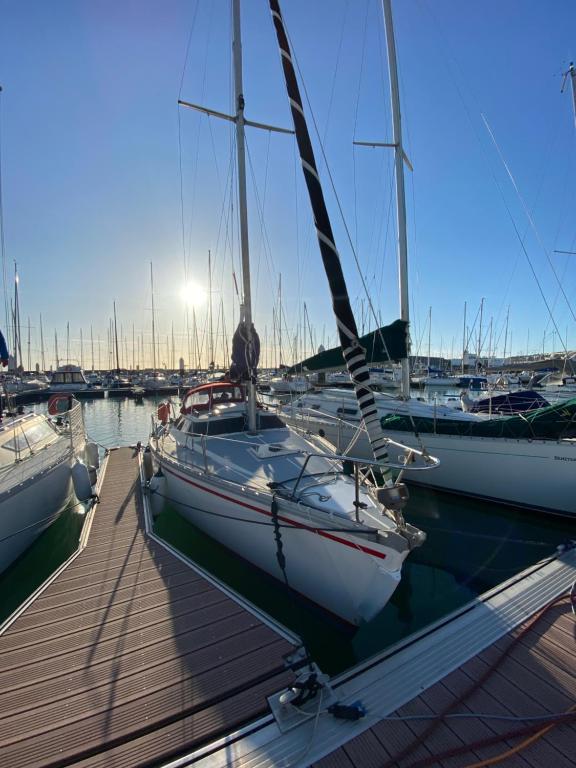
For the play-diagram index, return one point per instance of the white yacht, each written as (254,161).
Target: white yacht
(68,378)
(38,462)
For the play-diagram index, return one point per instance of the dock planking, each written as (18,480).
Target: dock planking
(535,678)
(130,657)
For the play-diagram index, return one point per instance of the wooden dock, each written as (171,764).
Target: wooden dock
(129,657)
(509,653)
(529,672)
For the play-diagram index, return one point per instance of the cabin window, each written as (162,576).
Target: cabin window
(34,434)
(347,411)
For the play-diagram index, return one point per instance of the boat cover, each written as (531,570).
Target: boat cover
(552,423)
(511,402)
(389,343)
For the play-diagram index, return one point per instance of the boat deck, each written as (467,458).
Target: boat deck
(128,656)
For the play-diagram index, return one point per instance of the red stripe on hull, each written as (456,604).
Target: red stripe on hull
(295,524)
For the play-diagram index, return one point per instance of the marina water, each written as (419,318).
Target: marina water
(471,547)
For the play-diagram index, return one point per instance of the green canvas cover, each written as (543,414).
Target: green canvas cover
(387,344)
(551,423)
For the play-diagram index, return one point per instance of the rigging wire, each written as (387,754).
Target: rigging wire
(2,241)
(361,72)
(529,260)
(332,184)
(446,47)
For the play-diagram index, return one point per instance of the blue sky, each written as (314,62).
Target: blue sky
(92,185)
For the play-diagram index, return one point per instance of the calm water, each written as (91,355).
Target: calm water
(471,547)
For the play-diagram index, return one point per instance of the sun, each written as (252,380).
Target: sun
(193,294)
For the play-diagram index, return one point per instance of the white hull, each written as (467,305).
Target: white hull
(352,581)
(29,508)
(536,474)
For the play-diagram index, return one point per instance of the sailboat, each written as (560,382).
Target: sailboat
(524,462)
(285,502)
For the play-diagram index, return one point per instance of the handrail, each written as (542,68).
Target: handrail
(365,463)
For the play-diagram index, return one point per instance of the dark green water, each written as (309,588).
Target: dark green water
(471,547)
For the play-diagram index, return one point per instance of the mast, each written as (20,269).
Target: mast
(280,321)
(92,347)
(116,340)
(480,333)
(68,343)
(429,335)
(153,322)
(211,363)
(506,336)
(56,348)
(29,360)
(42,355)
(464,338)
(353,353)
(400,192)
(81,350)
(246,308)
(399,160)
(17,335)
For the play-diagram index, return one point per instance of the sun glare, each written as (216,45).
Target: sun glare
(193,294)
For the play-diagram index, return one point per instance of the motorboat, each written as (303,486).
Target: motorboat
(153,381)
(68,378)
(289,385)
(42,462)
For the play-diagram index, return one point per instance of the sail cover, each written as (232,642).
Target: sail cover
(353,352)
(387,344)
(245,353)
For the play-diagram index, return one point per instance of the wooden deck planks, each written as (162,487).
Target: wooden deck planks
(537,677)
(129,655)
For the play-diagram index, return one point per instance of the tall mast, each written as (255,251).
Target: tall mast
(92,347)
(399,160)
(153,321)
(400,193)
(28,368)
(56,349)
(68,342)
(81,350)
(240,122)
(246,309)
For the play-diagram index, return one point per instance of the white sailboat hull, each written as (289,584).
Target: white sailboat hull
(536,474)
(27,509)
(352,582)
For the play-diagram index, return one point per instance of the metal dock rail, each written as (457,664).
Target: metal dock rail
(128,656)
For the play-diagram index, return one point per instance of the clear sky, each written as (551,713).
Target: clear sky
(92,146)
